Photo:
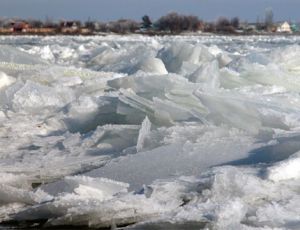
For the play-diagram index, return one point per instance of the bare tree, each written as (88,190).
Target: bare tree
(170,22)
(194,24)
(235,22)
(90,25)
(147,23)
(176,23)
(35,23)
(223,25)
(210,27)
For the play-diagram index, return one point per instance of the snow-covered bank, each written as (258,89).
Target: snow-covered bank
(109,131)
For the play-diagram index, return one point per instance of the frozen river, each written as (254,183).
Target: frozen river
(182,132)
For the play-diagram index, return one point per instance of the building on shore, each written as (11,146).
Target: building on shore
(70,27)
(284,28)
(20,26)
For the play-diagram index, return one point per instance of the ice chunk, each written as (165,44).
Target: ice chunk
(286,170)
(2,116)
(81,114)
(112,139)
(215,50)
(11,55)
(153,65)
(72,193)
(11,194)
(230,79)
(163,112)
(45,52)
(207,74)
(144,131)
(223,60)
(270,75)
(222,57)
(231,110)
(125,59)
(287,58)
(33,97)
(87,191)
(177,53)
(151,86)
(86,187)
(163,99)
(5,80)
(167,112)
(18,181)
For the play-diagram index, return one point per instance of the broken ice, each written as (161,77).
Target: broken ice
(144,131)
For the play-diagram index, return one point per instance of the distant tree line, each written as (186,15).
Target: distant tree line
(172,23)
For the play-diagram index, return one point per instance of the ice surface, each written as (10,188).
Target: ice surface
(151,131)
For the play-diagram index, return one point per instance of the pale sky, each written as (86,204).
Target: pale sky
(114,9)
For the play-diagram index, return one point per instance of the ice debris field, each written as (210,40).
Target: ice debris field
(150,132)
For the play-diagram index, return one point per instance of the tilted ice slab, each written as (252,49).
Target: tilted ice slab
(186,155)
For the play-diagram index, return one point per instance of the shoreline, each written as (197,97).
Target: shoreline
(150,34)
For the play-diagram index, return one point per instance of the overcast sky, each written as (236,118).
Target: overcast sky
(114,9)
